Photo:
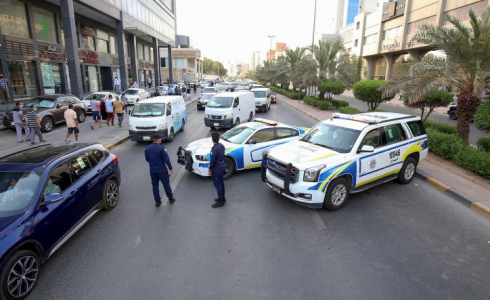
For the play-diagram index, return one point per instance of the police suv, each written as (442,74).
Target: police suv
(244,145)
(346,154)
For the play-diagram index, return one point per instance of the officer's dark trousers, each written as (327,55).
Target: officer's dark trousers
(163,177)
(219,184)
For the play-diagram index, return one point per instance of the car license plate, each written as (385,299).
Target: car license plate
(216,124)
(276,189)
(12,123)
(146,138)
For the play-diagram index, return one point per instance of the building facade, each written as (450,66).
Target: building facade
(347,10)
(80,46)
(384,38)
(256,61)
(187,64)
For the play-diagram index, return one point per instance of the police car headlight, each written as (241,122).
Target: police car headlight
(312,174)
(162,127)
(201,158)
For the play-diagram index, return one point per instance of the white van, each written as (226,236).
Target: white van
(262,98)
(165,115)
(229,109)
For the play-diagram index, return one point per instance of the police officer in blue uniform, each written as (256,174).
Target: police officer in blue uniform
(157,157)
(217,170)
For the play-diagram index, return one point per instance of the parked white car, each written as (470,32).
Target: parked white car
(135,95)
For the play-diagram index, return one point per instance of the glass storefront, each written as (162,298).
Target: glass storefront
(51,78)
(13,18)
(22,78)
(92,78)
(44,26)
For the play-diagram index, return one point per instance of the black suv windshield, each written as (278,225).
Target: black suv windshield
(220,102)
(16,191)
(336,138)
(41,103)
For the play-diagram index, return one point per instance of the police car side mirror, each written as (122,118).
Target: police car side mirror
(367,148)
(252,141)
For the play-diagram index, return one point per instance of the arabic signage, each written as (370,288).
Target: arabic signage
(393,10)
(50,52)
(185,53)
(88,57)
(391,46)
(87,30)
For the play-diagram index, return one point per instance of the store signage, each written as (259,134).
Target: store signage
(88,57)
(391,46)
(393,9)
(87,30)
(50,52)
(412,43)
(185,53)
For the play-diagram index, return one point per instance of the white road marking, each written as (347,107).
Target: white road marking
(317,220)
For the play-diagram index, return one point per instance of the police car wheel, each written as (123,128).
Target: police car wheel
(407,172)
(229,168)
(337,194)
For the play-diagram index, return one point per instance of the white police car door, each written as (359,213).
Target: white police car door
(371,165)
(262,140)
(396,145)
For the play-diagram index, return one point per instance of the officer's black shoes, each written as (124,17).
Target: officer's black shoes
(158,203)
(221,202)
(217,200)
(171,200)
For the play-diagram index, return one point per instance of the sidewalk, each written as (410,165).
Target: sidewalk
(109,136)
(460,184)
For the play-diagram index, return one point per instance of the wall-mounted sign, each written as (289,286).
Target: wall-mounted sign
(87,30)
(50,52)
(393,10)
(88,57)
(411,43)
(391,46)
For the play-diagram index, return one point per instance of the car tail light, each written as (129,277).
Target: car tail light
(114,159)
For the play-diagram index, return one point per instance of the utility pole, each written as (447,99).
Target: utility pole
(314,23)
(270,49)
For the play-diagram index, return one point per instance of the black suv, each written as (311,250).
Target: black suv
(51,109)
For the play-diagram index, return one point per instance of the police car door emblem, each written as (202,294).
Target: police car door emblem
(372,164)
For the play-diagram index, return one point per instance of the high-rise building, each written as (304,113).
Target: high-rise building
(347,10)
(256,61)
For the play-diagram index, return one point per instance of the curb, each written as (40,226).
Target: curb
(476,206)
(126,138)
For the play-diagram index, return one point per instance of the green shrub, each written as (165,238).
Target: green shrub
(475,160)
(445,145)
(339,103)
(368,91)
(482,116)
(429,101)
(322,105)
(330,87)
(484,144)
(310,100)
(441,127)
(349,110)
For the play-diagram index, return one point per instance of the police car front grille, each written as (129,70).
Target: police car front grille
(279,169)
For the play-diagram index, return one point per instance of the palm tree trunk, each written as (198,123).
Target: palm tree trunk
(467,105)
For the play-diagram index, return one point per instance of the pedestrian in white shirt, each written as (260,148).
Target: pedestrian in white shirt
(20,123)
(72,123)
(117,84)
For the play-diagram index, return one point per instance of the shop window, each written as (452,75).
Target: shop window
(88,42)
(44,25)
(141,54)
(51,78)
(112,45)
(102,41)
(22,78)
(13,18)
(92,79)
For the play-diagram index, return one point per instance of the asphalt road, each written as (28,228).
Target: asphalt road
(475,133)
(392,242)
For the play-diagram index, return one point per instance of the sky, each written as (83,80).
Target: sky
(231,30)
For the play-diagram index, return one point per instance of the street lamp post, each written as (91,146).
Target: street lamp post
(270,49)
(314,24)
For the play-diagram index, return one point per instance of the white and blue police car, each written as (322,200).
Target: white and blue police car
(244,146)
(346,154)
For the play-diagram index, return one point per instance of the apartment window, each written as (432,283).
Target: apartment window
(358,24)
(102,41)
(112,44)
(147,53)
(371,39)
(392,33)
(356,42)
(13,19)
(44,26)
(179,63)
(88,38)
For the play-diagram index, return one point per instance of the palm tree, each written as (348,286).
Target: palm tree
(304,74)
(466,65)
(292,58)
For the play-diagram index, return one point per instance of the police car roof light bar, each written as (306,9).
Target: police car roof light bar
(265,121)
(358,118)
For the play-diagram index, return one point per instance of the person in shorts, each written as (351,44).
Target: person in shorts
(94,104)
(71,120)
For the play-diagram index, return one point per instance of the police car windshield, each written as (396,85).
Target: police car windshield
(220,102)
(237,135)
(16,191)
(148,110)
(339,139)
